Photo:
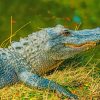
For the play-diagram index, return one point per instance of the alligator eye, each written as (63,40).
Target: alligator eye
(66,33)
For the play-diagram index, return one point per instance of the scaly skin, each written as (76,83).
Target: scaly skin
(31,57)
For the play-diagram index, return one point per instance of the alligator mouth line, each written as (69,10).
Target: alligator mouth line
(83,45)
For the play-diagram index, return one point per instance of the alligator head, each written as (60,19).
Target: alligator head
(64,43)
(47,48)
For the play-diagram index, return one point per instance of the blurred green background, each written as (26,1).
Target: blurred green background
(44,13)
(48,13)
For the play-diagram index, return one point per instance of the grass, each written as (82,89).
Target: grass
(8,40)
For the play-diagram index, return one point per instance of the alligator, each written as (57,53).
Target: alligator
(30,58)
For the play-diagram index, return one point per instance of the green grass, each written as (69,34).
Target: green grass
(83,79)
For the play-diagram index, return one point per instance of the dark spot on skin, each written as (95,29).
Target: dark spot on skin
(3,53)
(35,39)
(18,47)
(26,43)
(38,46)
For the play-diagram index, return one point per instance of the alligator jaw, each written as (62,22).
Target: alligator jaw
(86,45)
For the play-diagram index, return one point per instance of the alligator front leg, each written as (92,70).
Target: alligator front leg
(33,80)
